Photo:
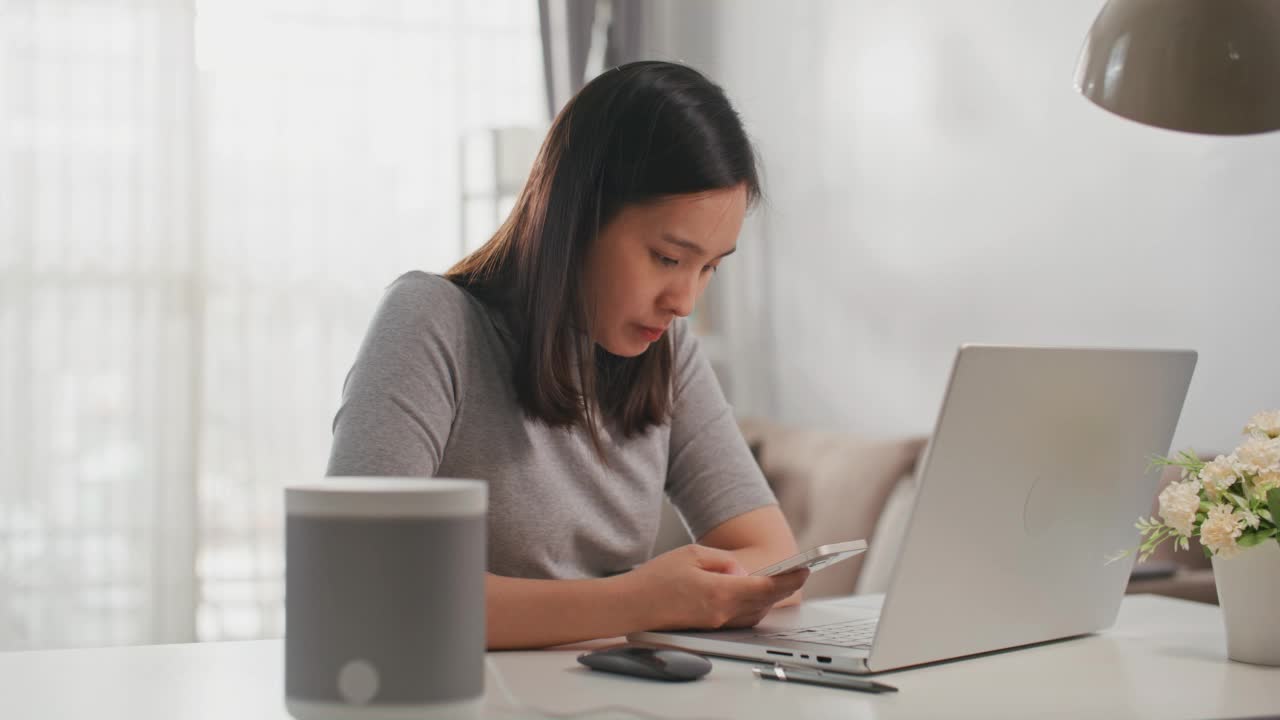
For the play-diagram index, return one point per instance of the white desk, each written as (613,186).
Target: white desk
(1165,659)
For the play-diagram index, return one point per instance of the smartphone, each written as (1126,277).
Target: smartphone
(817,558)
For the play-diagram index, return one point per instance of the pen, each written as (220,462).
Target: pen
(817,677)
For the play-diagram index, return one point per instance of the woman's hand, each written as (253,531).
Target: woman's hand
(701,588)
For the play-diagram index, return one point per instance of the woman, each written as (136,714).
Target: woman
(554,364)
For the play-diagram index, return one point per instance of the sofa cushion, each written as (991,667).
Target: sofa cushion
(891,530)
(831,486)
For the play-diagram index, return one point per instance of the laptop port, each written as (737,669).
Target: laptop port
(824,659)
(778,652)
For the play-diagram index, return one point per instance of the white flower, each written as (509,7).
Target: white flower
(1265,481)
(1264,424)
(1250,519)
(1257,455)
(1218,475)
(1178,504)
(1220,529)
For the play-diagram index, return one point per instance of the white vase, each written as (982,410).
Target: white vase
(1248,586)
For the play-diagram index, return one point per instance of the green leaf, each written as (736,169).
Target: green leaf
(1206,551)
(1153,541)
(1250,539)
(1188,460)
(1273,499)
(1117,557)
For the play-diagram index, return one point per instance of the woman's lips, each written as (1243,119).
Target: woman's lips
(650,333)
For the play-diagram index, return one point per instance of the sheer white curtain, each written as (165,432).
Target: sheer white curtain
(200,203)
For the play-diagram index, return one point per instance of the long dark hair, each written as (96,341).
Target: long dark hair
(635,134)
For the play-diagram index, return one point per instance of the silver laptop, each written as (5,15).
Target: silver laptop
(1033,478)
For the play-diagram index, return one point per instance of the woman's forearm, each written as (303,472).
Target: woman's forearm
(523,613)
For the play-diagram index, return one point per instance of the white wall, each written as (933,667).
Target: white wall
(935,179)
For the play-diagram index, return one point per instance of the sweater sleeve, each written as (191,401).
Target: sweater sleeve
(711,474)
(401,395)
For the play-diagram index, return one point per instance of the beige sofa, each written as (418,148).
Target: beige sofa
(836,486)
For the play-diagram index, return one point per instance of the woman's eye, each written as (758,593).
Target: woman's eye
(666,261)
(712,268)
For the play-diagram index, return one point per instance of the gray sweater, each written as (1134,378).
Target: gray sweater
(431,395)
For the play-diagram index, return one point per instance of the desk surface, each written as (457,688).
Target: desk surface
(1164,659)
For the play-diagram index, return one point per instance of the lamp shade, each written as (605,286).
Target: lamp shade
(1203,66)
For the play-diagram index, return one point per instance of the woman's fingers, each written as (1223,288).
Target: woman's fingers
(757,595)
(707,588)
(717,561)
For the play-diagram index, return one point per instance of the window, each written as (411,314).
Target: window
(199,207)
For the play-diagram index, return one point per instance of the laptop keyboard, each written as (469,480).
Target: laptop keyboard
(855,634)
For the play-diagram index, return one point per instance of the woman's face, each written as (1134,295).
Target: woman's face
(652,262)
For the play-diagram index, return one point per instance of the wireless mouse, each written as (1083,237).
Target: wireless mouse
(648,662)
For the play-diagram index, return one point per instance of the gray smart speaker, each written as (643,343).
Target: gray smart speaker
(384,598)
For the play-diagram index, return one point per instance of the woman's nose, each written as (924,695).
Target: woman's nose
(681,296)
